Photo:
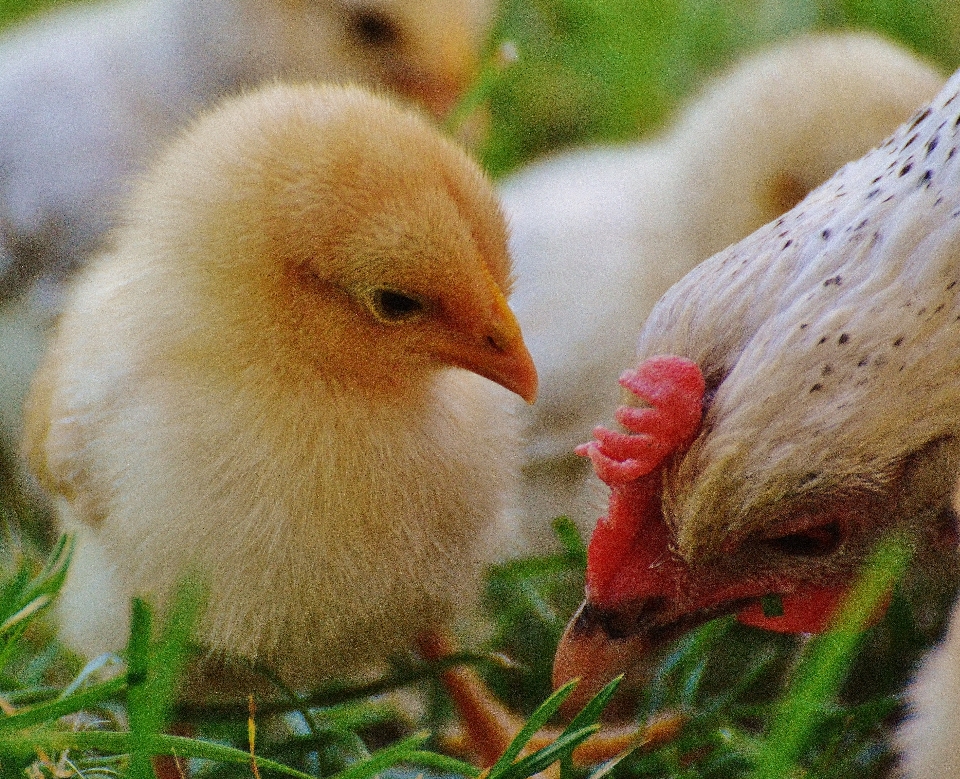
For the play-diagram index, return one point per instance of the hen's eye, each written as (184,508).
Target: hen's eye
(815,542)
(391,306)
(373,28)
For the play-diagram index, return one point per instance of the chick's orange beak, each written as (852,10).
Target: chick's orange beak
(452,68)
(501,356)
(495,350)
(511,365)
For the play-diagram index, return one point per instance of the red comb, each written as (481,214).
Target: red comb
(674,387)
(632,542)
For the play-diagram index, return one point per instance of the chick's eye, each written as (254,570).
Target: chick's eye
(373,29)
(391,306)
(814,542)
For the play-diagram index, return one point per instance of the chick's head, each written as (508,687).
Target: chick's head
(324,231)
(424,50)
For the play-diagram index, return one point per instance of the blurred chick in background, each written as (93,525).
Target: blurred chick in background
(599,235)
(284,377)
(90,94)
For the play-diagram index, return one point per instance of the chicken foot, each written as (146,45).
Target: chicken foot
(489,727)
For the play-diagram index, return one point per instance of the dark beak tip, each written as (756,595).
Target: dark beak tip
(587,652)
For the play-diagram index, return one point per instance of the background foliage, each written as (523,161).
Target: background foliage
(750,703)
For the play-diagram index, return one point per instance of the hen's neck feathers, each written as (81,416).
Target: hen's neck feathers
(831,337)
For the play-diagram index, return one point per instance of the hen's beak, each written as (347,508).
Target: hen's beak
(601,643)
(588,652)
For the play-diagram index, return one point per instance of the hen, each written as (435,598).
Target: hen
(284,378)
(821,353)
(599,235)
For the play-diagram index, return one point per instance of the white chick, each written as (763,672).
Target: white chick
(599,235)
(281,379)
(928,739)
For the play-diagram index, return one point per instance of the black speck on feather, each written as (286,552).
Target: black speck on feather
(920,117)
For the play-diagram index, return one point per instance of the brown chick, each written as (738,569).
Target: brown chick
(829,346)
(284,378)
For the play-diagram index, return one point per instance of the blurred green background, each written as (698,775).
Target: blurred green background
(608,70)
(592,71)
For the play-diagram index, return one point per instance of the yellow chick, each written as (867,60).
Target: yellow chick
(284,377)
(90,94)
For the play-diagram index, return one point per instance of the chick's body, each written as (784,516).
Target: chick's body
(261,385)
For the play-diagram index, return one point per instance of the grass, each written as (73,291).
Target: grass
(753,704)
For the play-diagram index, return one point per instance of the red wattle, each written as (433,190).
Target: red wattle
(808,610)
(629,553)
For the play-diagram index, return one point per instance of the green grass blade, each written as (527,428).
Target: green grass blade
(501,57)
(542,759)
(385,758)
(537,720)
(826,662)
(122,743)
(47,712)
(444,763)
(154,671)
(569,536)
(590,714)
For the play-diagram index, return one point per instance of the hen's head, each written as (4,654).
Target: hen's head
(323,232)
(828,342)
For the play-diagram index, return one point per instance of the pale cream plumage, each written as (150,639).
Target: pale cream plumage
(599,235)
(272,381)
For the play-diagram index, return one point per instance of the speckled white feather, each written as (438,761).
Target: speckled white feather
(817,333)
